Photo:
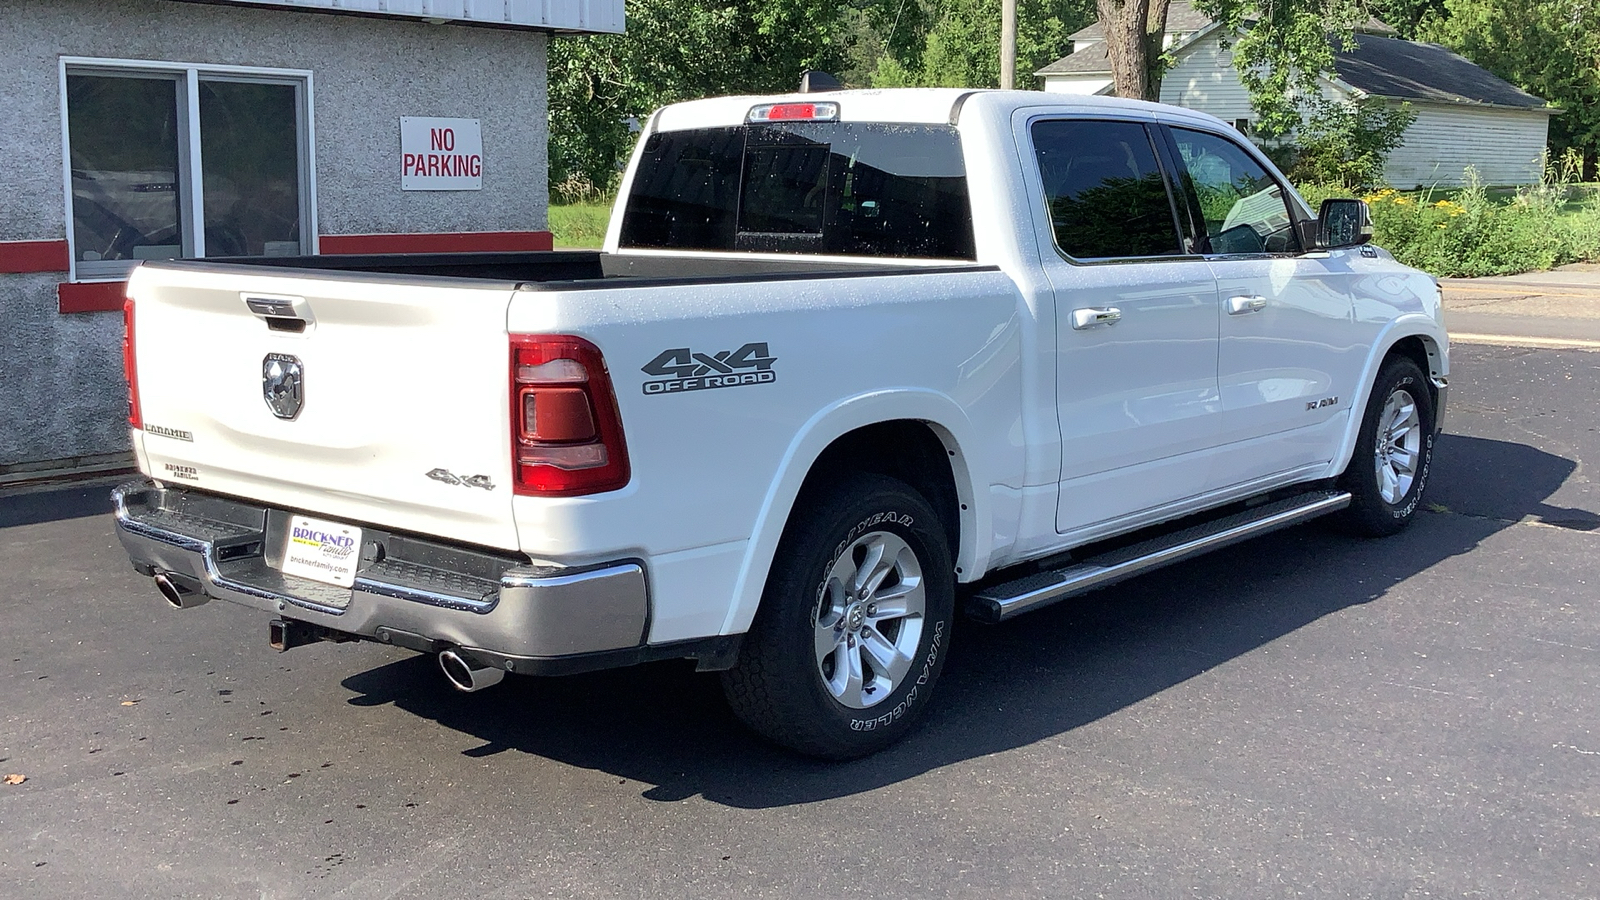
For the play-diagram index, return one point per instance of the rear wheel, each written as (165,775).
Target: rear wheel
(1394,449)
(854,622)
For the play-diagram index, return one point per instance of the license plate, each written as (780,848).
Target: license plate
(322,551)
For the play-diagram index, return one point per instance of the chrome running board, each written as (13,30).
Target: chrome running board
(1003,601)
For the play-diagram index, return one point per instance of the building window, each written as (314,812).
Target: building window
(1242,126)
(168,161)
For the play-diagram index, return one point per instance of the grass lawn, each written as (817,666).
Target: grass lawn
(579,227)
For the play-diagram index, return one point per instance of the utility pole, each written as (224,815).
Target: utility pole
(1008,44)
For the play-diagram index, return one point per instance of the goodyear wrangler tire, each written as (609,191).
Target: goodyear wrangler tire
(854,623)
(1389,469)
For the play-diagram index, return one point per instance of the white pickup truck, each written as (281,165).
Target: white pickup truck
(849,363)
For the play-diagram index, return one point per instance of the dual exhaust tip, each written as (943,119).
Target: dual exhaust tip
(179,591)
(464,673)
(468,675)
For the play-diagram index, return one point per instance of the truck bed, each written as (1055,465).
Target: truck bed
(570,269)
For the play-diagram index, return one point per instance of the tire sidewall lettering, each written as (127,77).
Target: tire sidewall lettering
(1409,507)
(894,521)
(903,520)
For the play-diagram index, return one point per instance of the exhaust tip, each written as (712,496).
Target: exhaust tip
(177,595)
(466,676)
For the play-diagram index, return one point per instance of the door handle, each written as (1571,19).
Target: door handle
(1091,316)
(1238,306)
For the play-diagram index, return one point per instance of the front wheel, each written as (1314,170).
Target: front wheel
(1394,449)
(854,622)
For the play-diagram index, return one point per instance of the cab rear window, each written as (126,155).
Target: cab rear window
(825,187)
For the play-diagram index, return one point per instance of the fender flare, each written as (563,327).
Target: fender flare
(1407,326)
(827,425)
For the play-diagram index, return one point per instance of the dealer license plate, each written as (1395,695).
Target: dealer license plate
(322,551)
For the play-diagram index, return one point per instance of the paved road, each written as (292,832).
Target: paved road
(1551,308)
(1308,715)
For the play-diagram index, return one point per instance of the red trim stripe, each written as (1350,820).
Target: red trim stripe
(457,242)
(19,257)
(91,296)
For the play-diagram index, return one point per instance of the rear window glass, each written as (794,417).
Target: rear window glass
(1106,194)
(850,189)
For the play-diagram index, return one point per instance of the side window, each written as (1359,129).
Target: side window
(1104,188)
(1243,208)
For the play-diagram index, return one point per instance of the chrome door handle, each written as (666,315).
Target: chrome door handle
(1091,316)
(1238,306)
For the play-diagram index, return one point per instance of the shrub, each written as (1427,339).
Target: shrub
(1348,143)
(1469,234)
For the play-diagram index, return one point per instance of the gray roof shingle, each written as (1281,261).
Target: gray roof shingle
(1407,70)
(1091,60)
(1376,65)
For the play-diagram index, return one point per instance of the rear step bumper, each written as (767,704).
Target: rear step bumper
(420,594)
(1002,601)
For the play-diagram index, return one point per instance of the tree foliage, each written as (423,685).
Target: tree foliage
(1283,51)
(600,86)
(956,43)
(1346,143)
(1406,16)
(1550,48)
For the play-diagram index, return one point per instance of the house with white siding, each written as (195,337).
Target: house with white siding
(1466,116)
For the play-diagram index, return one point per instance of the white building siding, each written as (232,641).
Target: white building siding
(1502,144)
(1204,80)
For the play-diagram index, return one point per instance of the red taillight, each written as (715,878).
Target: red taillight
(130,365)
(566,434)
(794,112)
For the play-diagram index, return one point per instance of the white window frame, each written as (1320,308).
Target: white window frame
(191,198)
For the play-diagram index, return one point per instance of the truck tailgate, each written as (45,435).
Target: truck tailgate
(403,416)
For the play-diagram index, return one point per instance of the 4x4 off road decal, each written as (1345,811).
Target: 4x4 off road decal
(681,369)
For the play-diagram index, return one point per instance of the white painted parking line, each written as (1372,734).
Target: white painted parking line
(1513,340)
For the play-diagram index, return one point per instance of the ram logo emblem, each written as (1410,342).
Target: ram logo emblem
(283,384)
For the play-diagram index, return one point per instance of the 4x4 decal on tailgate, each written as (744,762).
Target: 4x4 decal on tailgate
(682,369)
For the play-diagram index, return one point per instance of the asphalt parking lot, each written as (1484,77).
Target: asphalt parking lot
(1307,715)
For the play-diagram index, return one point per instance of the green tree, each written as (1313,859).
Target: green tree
(1406,16)
(1550,48)
(1347,143)
(601,86)
(1283,51)
(956,43)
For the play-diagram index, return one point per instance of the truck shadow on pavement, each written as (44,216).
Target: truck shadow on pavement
(38,507)
(1004,687)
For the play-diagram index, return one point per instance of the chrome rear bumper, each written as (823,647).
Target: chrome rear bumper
(410,591)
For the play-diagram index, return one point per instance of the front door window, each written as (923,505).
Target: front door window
(1242,207)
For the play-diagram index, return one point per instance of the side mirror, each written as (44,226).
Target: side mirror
(1343,223)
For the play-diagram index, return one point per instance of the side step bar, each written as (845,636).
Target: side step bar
(1000,602)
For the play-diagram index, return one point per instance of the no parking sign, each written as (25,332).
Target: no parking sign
(440,154)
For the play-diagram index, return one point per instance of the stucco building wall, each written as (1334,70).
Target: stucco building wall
(60,374)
